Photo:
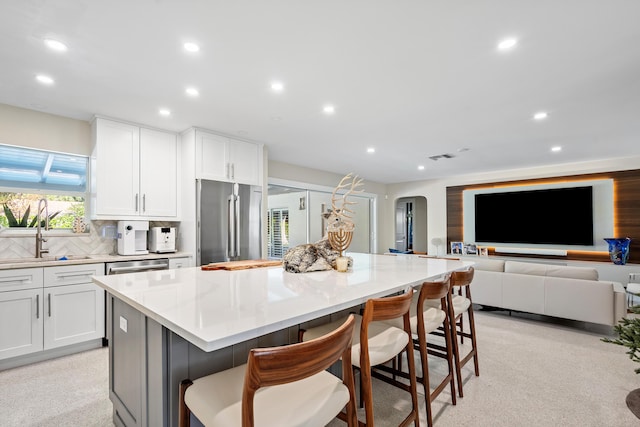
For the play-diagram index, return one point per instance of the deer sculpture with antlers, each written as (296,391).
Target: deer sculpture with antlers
(322,255)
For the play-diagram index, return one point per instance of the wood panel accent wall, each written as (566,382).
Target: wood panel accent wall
(626,210)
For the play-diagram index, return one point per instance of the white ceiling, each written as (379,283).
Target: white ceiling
(412,78)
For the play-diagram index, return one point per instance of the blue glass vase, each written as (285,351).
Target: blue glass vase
(619,249)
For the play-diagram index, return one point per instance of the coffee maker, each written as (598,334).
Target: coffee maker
(132,237)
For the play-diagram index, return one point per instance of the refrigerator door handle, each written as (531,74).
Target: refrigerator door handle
(231,249)
(236,231)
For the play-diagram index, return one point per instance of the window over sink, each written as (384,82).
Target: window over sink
(28,175)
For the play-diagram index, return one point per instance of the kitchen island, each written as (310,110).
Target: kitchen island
(165,326)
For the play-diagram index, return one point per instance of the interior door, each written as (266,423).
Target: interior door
(401,226)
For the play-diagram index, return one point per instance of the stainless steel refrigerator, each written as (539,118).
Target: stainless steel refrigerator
(229,222)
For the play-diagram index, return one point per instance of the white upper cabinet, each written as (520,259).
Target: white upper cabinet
(224,159)
(212,153)
(244,162)
(134,172)
(158,173)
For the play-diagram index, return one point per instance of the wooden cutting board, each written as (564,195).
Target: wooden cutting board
(241,265)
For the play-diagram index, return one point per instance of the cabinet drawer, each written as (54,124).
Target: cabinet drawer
(21,278)
(71,274)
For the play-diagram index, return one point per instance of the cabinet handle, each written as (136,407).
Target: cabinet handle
(136,202)
(227,174)
(161,266)
(15,279)
(63,276)
(37,306)
(49,303)
(144,203)
(233,171)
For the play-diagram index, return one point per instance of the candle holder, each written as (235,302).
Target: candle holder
(340,241)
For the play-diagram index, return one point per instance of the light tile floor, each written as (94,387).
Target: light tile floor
(532,373)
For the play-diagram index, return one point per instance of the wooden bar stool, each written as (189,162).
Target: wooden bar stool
(376,342)
(297,388)
(433,317)
(457,305)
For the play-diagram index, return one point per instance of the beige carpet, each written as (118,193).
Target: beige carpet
(532,373)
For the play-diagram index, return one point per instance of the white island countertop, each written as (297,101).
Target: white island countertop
(216,309)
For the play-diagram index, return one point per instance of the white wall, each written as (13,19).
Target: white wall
(28,128)
(297,216)
(435,191)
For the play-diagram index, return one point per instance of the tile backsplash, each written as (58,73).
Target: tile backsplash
(97,241)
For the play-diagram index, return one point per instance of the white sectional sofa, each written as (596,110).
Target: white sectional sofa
(552,290)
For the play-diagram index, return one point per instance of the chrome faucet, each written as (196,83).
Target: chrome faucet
(39,238)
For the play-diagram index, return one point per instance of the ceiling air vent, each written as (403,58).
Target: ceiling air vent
(441,156)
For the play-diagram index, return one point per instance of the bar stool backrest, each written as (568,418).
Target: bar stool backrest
(285,364)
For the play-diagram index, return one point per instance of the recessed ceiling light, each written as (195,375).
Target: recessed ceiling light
(192,91)
(191,47)
(421,168)
(371,150)
(277,86)
(55,45)
(541,115)
(44,79)
(507,44)
(164,112)
(556,148)
(329,109)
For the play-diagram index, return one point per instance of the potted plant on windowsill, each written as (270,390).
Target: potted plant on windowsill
(628,332)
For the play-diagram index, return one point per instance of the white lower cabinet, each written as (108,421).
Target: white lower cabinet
(49,307)
(73,305)
(20,322)
(73,314)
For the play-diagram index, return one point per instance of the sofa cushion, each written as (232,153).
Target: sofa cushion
(551,270)
(531,268)
(583,273)
(523,292)
(489,265)
(577,299)
(486,287)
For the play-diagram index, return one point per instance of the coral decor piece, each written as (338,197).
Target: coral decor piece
(341,217)
(317,256)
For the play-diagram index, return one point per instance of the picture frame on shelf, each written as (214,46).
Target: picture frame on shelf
(456,248)
(469,249)
(483,251)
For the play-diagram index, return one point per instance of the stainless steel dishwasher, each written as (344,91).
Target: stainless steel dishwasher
(121,267)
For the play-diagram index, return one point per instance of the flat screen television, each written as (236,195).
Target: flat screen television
(559,216)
